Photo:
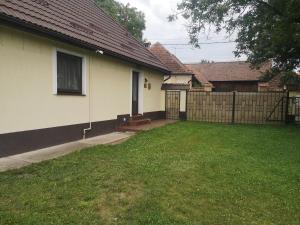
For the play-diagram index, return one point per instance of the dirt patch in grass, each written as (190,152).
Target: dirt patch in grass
(115,205)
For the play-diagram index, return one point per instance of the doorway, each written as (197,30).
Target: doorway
(135,93)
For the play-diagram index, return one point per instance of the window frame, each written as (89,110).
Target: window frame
(55,77)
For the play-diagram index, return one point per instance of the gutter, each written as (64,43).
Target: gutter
(233,80)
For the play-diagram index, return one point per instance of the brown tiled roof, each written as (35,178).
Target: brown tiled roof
(228,71)
(79,22)
(170,60)
(199,76)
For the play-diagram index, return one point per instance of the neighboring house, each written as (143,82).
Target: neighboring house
(68,70)
(229,76)
(275,84)
(180,77)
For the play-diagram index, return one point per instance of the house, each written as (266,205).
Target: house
(229,76)
(276,84)
(180,77)
(68,71)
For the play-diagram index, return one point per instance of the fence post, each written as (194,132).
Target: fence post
(186,104)
(233,107)
(287,107)
(282,108)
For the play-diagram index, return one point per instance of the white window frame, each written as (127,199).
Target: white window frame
(54,72)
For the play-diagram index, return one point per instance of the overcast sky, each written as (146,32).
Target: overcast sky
(159,29)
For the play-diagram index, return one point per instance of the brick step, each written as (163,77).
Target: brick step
(127,129)
(136,117)
(138,122)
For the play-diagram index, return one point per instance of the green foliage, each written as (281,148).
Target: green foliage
(203,61)
(187,173)
(129,17)
(266,29)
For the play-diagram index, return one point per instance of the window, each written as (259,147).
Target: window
(69,73)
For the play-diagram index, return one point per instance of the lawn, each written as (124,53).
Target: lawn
(184,173)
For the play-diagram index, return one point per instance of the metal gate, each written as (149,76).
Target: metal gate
(172,105)
(293,110)
(297,109)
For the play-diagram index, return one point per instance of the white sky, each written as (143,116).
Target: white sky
(159,29)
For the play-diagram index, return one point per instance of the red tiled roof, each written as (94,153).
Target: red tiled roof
(170,60)
(228,71)
(199,76)
(79,22)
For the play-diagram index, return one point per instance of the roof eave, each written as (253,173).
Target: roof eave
(183,74)
(65,38)
(233,80)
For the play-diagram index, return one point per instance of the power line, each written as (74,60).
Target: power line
(203,43)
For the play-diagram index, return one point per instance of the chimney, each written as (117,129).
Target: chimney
(147,44)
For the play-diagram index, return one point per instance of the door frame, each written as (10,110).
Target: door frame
(140,91)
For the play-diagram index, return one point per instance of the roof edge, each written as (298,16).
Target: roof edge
(199,63)
(183,74)
(42,31)
(234,80)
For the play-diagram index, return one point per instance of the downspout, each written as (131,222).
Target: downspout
(90,120)
(168,78)
(190,83)
(85,131)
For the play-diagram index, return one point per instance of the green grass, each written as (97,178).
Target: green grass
(185,173)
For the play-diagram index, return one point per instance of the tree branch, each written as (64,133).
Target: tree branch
(275,10)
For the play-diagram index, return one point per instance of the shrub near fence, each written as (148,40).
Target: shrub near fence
(236,107)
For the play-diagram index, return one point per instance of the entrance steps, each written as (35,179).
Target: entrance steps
(134,122)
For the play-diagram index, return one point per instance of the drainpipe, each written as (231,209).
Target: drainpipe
(168,78)
(190,83)
(90,120)
(86,130)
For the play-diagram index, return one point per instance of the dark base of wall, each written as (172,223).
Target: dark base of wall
(26,141)
(159,115)
(21,142)
(182,116)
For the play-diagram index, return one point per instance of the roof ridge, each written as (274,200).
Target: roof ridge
(198,63)
(169,59)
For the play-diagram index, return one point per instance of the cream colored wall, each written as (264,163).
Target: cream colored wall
(110,94)
(179,79)
(294,94)
(154,98)
(26,86)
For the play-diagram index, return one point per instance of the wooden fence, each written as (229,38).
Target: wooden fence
(237,107)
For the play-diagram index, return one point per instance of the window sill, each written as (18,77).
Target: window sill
(70,94)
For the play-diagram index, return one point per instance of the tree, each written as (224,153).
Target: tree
(129,17)
(266,29)
(206,61)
